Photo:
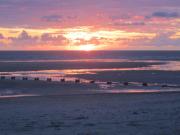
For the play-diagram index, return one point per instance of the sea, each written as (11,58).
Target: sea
(152,68)
(79,55)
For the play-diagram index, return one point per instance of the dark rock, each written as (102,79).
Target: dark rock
(145,84)
(63,80)
(77,81)
(24,78)
(109,83)
(3,77)
(36,79)
(126,83)
(92,81)
(49,79)
(13,78)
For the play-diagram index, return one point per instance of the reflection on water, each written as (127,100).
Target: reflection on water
(168,66)
(116,91)
(81,60)
(102,87)
(56,75)
(15,96)
(8,93)
(94,91)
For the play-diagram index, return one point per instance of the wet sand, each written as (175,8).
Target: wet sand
(96,114)
(149,76)
(77,109)
(10,88)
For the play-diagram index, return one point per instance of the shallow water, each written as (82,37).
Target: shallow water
(161,66)
(56,75)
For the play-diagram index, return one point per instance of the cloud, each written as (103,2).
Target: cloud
(130,23)
(54,40)
(59,40)
(52,18)
(93,40)
(118,17)
(2,40)
(24,40)
(165,14)
(1,36)
(160,41)
(163,39)
(24,36)
(36,13)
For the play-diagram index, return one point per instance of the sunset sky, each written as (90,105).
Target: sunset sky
(89,24)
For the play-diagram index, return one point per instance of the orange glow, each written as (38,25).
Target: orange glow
(87,34)
(175,36)
(85,47)
(76,38)
(88,47)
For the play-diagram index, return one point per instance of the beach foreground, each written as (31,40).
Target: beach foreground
(91,114)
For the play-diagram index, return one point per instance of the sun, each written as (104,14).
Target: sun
(83,47)
(88,47)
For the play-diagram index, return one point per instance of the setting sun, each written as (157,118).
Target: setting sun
(88,47)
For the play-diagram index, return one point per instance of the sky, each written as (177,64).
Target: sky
(89,24)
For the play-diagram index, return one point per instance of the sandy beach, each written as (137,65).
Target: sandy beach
(74,109)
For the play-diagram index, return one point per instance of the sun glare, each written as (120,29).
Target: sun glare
(88,47)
